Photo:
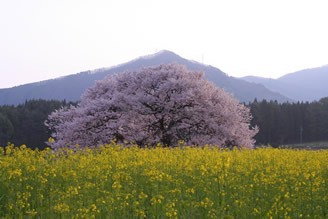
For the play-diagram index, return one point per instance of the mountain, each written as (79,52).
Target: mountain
(304,85)
(72,86)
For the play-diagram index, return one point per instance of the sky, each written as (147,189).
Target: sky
(45,39)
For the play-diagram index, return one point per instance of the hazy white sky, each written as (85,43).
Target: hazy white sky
(43,39)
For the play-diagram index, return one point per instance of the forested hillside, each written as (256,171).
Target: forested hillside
(24,124)
(290,123)
(279,124)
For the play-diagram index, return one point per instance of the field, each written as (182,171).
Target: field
(183,182)
(308,146)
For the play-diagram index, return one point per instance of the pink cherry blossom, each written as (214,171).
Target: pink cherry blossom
(162,104)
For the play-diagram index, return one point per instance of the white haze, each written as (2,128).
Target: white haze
(43,39)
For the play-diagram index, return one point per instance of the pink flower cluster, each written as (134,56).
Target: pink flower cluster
(162,104)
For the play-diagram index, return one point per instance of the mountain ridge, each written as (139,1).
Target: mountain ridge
(303,85)
(71,87)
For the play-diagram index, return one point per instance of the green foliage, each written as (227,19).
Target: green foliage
(290,123)
(279,124)
(185,182)
(6,128)
(24,124)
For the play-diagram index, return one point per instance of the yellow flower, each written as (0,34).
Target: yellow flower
(51,140)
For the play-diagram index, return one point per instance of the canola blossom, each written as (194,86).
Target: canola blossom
(184,182)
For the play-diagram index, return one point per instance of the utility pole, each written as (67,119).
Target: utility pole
(301,134)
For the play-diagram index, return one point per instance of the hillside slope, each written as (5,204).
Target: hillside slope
(71,87)
(305,85)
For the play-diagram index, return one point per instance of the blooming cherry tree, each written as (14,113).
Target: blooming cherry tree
(162,104)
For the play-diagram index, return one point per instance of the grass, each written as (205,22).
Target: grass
(308,146)
(116,182)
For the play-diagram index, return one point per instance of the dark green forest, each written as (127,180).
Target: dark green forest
(290,123)
(24,124)
(279,124)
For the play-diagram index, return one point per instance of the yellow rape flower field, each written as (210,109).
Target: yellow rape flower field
(118,182)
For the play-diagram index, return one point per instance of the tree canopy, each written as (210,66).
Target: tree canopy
(162,104)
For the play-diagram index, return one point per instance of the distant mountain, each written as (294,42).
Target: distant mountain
(304,85)
(72,86)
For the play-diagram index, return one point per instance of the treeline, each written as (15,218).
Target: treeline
(290,123)
(279,124)
(24,124)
